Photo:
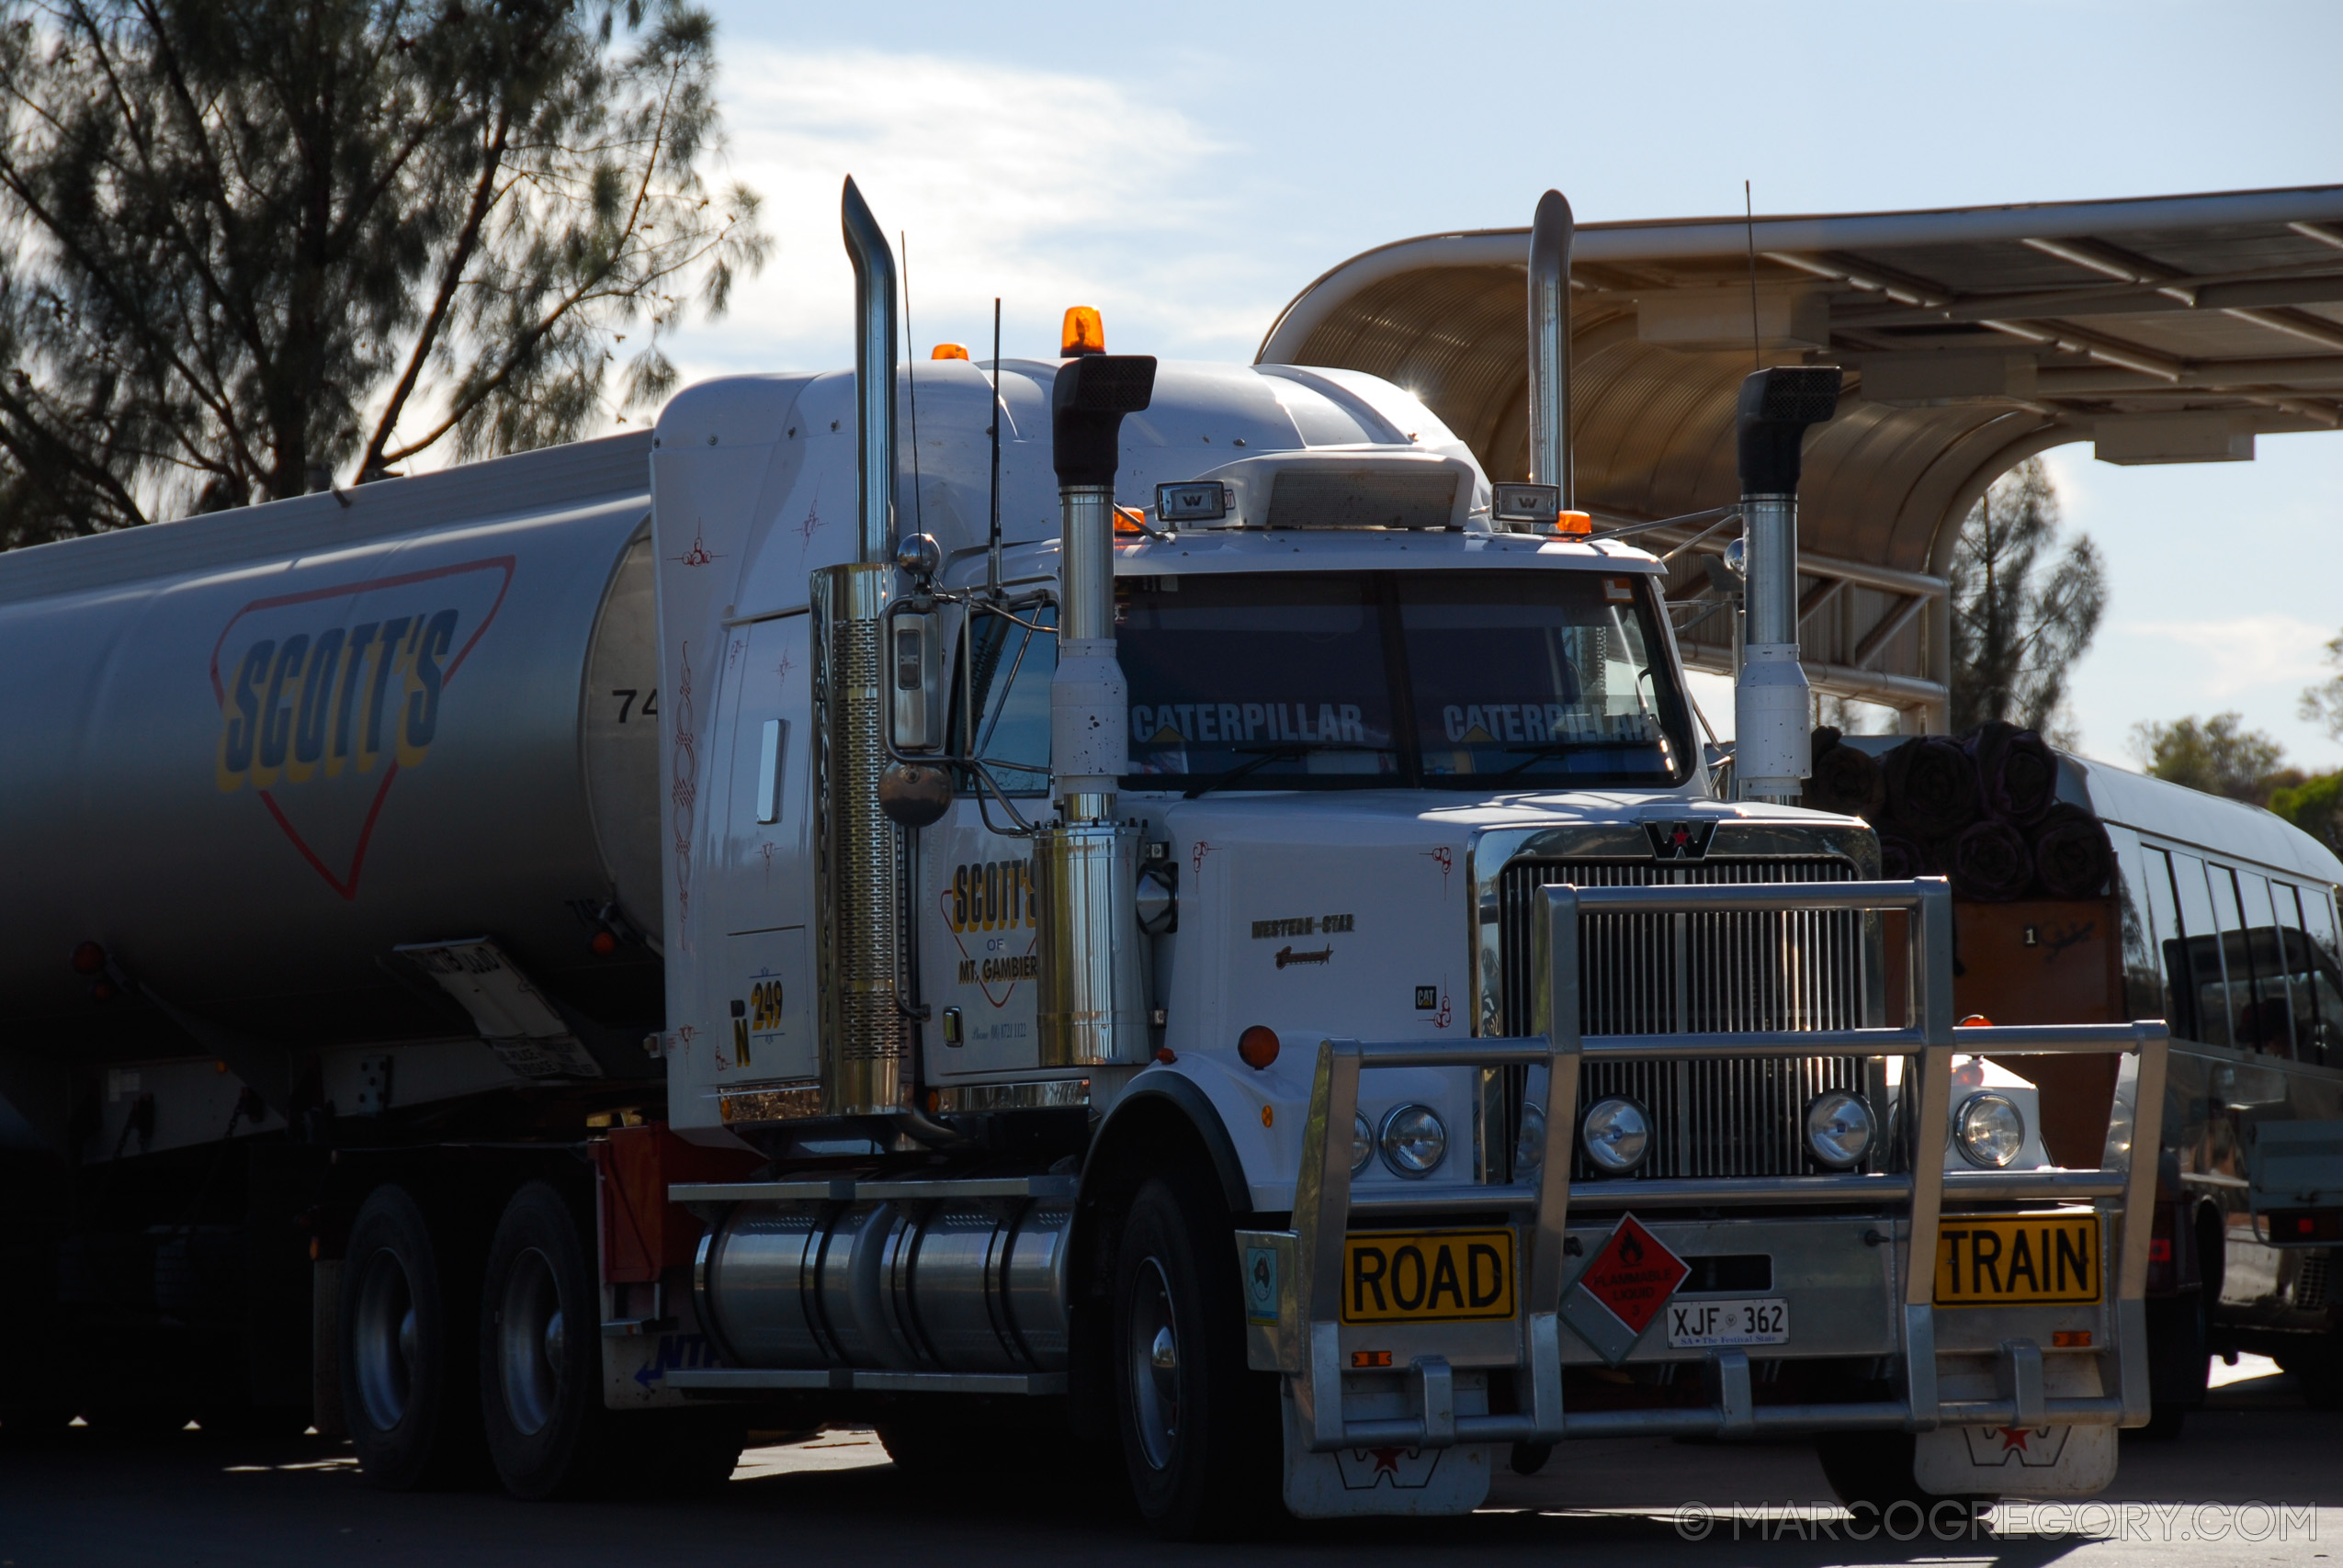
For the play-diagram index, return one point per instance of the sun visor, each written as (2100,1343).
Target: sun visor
(1345,490)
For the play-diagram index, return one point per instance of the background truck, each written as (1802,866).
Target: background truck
(1142,903)
(2086,894)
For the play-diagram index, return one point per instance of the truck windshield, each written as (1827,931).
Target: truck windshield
(1441,679)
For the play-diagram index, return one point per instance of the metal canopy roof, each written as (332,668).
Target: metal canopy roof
(2168,330)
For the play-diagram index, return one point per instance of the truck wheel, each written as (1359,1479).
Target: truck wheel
(2179,1362)
(1200,1435)
(407,1367)
(540,1351)
(1875,1469)
(2316,1365)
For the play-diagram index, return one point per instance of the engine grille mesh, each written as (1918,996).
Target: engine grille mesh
(1672,974)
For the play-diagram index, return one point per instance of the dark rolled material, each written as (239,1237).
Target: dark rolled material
(1988,862)
(2072,858)
(1932,788)
(1900,859)
(1845,779)
(2017,775)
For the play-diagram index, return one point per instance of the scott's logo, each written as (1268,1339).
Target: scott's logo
(344,683)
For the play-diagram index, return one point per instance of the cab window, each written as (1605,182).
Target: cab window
(1010,665)
(2315,978)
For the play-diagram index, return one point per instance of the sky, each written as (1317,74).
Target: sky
(1189,169)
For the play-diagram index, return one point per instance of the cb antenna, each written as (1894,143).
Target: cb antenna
(1749,220)
(992,579)
(912,379)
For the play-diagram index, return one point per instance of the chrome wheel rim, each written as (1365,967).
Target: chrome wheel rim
(382,1340)
(531,1342)
(1154,1353)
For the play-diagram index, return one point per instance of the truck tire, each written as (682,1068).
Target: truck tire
(1199,1431)
(2316,1367)
(2181,1362)
(408,1372)
(1872,1471)
(540,1352)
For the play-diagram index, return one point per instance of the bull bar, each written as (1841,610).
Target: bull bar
(1306,1341)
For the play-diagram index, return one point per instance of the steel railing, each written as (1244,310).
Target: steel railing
(1306,1340)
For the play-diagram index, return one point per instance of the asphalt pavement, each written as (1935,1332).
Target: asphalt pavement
(2256,1479)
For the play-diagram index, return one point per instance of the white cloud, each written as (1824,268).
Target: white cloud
(1044,187)
(2246,654)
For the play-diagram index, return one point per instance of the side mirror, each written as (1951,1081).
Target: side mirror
(918,681)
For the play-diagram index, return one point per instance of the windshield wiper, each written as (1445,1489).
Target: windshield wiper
(1268,754)
(1546,750)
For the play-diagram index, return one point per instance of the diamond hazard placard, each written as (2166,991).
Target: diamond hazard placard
(1621,1288)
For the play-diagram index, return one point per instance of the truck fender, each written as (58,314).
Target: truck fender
(1150,1095)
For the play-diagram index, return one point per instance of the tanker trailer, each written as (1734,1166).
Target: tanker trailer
(329,823)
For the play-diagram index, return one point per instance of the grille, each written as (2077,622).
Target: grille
(1673,974)
(2311,1283)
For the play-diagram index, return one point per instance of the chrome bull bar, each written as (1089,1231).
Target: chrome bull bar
(1306,1340)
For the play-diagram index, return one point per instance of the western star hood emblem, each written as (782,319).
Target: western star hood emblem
(1680,841)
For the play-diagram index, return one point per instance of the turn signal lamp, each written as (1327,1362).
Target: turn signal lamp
(1083,333)
(1258,1046)
(947,351)
(1574,524)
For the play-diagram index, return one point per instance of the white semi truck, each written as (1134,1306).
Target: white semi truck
(1150,902)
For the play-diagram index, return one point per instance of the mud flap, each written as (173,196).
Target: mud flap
(1360,1482)
(2020,1462)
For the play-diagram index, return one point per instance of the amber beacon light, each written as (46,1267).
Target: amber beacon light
(1083,333)
(947,351)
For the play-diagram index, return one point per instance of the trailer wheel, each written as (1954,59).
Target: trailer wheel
(1199,1430)
(540,1351)
(407,1369)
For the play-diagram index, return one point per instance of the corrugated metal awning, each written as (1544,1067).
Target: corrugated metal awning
(2167,329)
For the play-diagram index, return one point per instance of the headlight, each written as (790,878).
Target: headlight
(1616,1135)
(1988,1128)
(1529,1149)
(1362,1144)
(1838,1129)
(1414,1142)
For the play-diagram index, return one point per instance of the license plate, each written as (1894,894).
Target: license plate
(1749,1320)
(1435,1277)
(2018,1260)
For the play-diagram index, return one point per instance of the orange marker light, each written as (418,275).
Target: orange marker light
(1258,1046)
(1370,1357)
(1129,523)
(1269,1116)
(2070,1338)
(947,351)
(1083,333)
(1573,523)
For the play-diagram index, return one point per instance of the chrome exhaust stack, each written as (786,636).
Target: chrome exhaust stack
(1773,707)
(1090,997)
(861,972)
(1551,233)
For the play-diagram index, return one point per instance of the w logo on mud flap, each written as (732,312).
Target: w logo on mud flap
(1407,1470)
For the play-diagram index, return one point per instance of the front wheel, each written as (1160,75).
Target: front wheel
(1199,1431)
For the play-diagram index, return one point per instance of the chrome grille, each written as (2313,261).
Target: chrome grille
(1670,973)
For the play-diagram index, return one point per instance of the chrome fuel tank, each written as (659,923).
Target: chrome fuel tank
(954,1285)
(251,753)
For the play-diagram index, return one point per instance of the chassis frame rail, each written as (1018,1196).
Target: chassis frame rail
(1305,1342)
